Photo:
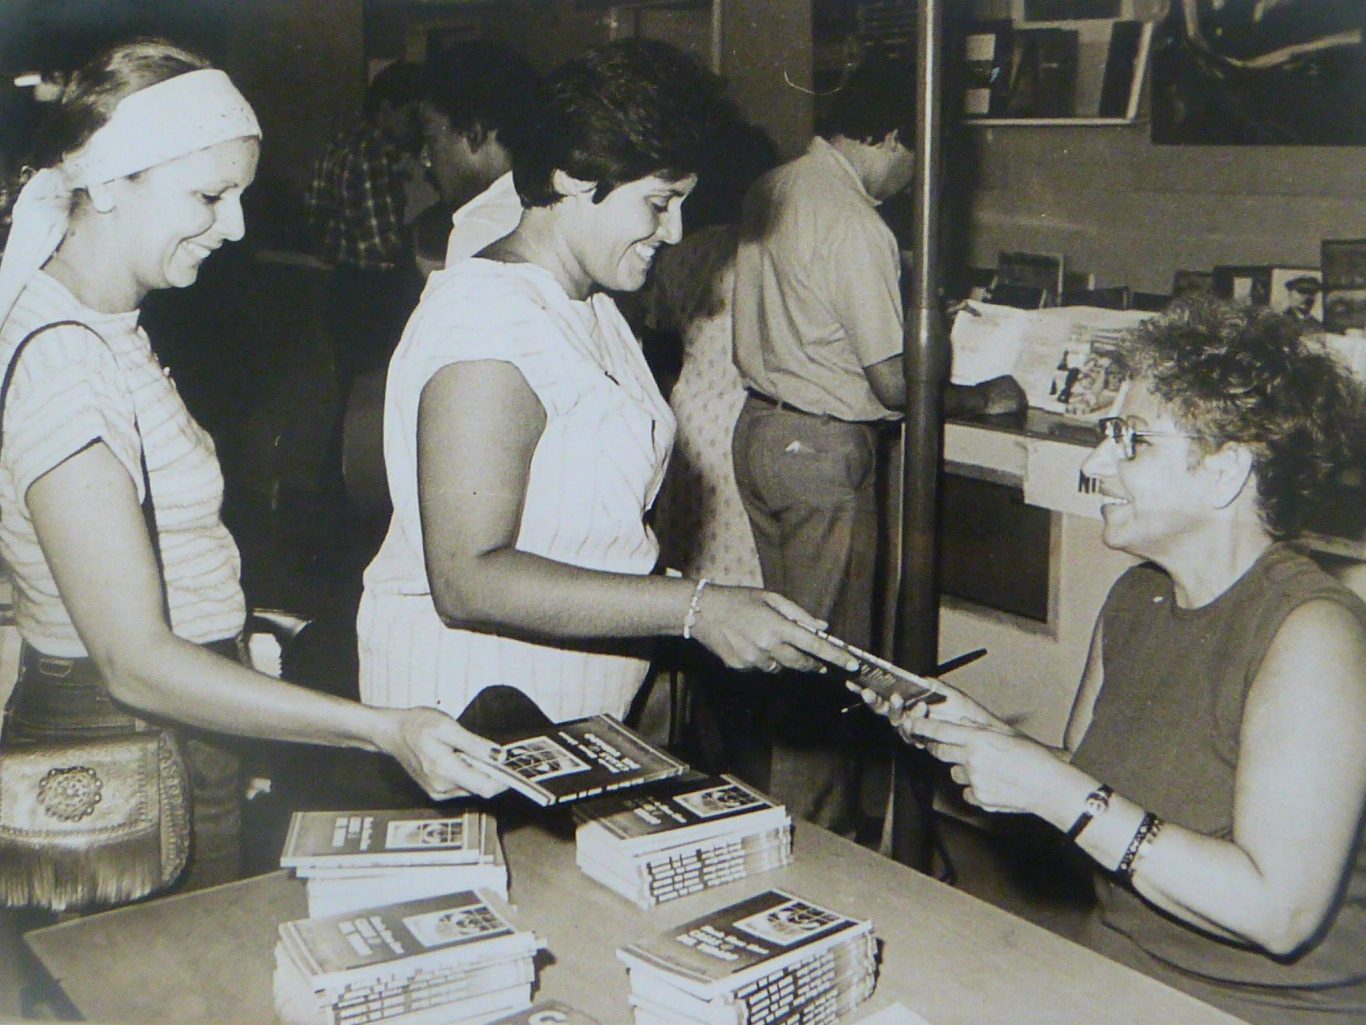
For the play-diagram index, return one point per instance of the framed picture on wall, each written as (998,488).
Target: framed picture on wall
(1250,284)
(1343,263)
(1298,292)
(1252,72)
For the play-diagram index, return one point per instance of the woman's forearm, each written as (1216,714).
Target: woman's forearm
(175,679)
(511,591)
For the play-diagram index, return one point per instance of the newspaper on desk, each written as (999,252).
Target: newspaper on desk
(1062,356)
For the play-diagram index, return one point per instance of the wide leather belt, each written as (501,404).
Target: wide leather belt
(769,400)
(67,696)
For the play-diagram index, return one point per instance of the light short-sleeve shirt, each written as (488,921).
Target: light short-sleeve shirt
(817,287)
(71,390)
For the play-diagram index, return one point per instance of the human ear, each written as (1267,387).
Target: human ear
(568,185)
(101,197)
(1232,469)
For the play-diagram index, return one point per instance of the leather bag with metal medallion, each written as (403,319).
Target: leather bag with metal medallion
(94,801)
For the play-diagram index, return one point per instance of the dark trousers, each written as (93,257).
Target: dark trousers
(808,485)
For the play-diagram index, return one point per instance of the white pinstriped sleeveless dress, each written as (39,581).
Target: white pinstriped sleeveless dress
(595,471)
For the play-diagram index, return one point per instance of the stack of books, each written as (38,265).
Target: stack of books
(774,959)
(681,837)
(421,962)
(360,859)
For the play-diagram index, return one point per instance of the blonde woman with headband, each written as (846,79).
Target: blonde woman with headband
(157,151)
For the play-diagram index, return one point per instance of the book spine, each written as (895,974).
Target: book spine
(801,983)
(664,882)
(389,995)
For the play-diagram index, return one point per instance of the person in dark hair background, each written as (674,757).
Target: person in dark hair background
(355,203)
(525,437)
(818,340)
(476,96)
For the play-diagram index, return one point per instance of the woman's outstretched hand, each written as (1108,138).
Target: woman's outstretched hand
(428,744)
(748,628)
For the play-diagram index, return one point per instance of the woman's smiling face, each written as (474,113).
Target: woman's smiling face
(1158,496)
(614,241)
(178,213)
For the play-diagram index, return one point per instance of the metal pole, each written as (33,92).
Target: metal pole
(926,363)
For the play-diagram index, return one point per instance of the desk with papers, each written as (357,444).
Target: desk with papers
(207,958)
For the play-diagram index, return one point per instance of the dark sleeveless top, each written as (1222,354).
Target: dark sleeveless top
(1165,733)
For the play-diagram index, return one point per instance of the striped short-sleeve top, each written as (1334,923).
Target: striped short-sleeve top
(594,473)
(72,389)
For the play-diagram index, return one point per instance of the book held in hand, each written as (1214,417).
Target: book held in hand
(681,836)
(574,760)
(774,957)
(885,678)
(356,859)
(423,962)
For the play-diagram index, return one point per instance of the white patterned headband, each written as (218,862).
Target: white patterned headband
(171,119)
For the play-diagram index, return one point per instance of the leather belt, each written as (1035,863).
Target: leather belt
(769,400)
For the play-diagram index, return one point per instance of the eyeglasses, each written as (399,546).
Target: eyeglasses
(1123,434)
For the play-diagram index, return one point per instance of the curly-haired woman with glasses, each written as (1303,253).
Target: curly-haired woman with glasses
(1213,764)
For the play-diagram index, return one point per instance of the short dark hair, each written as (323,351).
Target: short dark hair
(876,97)
(616,114)
(480,87)
(1241,374)
(395,84)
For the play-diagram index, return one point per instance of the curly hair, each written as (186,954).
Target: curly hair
(1242,374)
(617,113)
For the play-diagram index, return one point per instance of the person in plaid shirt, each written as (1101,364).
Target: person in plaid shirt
(355,204)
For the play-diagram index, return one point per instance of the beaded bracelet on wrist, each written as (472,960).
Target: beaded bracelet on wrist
(694,608)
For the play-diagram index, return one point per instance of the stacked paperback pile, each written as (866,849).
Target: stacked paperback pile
(360,859)
(422,962)
(774,959)
(680,837)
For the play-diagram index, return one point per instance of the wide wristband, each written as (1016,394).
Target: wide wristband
(1143,836)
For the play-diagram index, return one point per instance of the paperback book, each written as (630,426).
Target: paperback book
(575,760)
(356,840)
(421,962)
(691,807)
(679,872)
(722,952)
(350,860)
(886,678)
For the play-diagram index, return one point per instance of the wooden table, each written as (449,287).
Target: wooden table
(207,957)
